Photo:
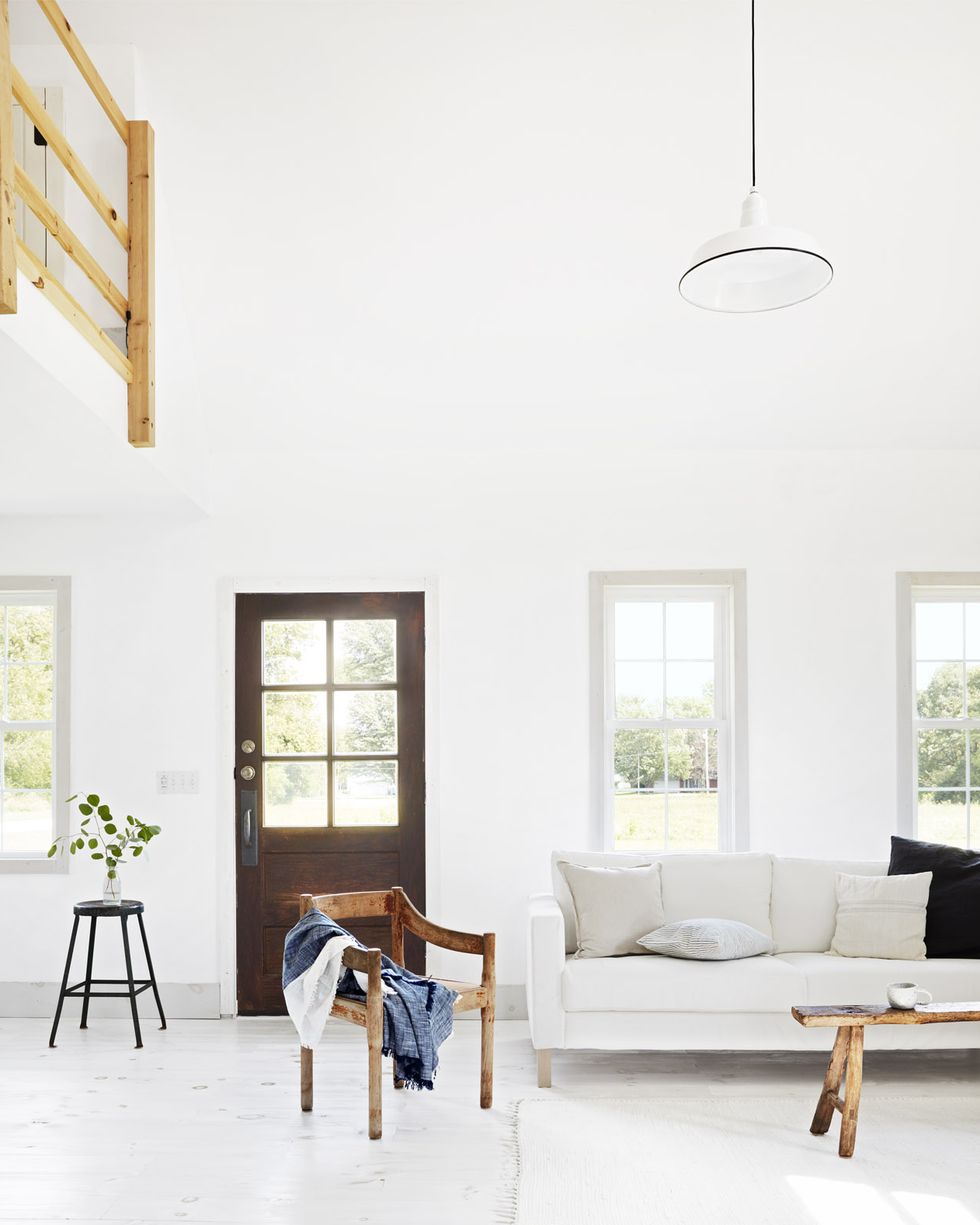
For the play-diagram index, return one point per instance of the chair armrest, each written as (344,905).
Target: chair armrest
(361,959)
(433,933)
(545,964)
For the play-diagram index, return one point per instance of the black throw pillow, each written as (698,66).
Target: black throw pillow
(953,913)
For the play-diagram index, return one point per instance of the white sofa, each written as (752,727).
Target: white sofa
(648,1002)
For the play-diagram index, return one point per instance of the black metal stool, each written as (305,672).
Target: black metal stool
(96,911)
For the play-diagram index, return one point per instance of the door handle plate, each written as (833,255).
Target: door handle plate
(248,825)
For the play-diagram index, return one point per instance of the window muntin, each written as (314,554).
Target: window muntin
(667,717)
(31,721)
(945,665)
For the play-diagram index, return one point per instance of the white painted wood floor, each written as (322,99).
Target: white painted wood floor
(203,1124)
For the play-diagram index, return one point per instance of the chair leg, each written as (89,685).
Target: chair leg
(544,1069)
(305,1078)
(88,971)
(486,1056)
(64,983)
(149,966)
(375,1040)
(129,979)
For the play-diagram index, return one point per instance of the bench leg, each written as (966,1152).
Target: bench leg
(831,1084)
(544,1069)
(305,1078)
(852,1091)
(486,1056)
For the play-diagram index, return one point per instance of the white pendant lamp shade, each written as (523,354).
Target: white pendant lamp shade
(758,267)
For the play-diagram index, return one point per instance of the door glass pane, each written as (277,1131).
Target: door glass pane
(639,630)
(690,690)
(938,630)
(939,690)
(365,793)
(294,652)
(942,817)
(30,693)
(30,633)
(690,630)
(365,721)
(27,821)
(942,759)
(639,690)
(294,724)
(27,761)
(363,652)
(294,793)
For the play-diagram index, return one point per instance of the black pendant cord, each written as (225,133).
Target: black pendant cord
(753,95)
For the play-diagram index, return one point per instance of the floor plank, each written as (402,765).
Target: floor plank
(203,1124)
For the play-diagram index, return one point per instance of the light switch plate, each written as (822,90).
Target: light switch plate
(177,782)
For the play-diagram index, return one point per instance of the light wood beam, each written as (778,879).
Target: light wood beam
(69,242)
(8,230)
(92,76)
(68,157)
(142,286)
(59,297)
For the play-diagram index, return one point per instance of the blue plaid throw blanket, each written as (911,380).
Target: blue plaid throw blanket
(418,1013)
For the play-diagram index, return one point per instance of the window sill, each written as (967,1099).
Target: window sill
(15,865)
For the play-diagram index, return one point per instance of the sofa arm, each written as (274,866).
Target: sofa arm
(545,963)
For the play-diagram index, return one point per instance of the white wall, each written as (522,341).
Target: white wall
(820,536)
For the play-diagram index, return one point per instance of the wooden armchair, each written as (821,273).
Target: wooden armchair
(370,1016)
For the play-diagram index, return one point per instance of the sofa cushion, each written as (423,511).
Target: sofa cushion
(804,900)
(863,980)
(665,984)
(882,916)
(614,907)
(953,918)
(732,886)
(706,939)
(588,859)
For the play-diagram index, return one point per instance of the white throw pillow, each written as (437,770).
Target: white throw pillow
(707,940)
(613,907)
(882,916)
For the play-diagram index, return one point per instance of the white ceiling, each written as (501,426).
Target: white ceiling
(448,233)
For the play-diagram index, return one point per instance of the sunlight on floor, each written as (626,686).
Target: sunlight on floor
(826,1198)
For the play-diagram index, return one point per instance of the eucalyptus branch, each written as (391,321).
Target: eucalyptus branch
(115,838)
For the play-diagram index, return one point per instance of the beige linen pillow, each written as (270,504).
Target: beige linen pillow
(614,907)
(882,916)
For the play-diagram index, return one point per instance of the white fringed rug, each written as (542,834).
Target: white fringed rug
(746,1161)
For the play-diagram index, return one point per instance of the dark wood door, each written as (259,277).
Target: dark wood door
(329,766)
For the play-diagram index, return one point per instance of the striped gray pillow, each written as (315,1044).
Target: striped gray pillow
(707,940)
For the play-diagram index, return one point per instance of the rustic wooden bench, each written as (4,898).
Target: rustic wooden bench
(848,1053)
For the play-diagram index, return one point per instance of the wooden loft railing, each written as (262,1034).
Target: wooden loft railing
(135,235)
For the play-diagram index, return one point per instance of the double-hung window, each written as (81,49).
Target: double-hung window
(939,716)
(670,767)
(33,721)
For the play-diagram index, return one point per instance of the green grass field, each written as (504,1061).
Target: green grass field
(641,819)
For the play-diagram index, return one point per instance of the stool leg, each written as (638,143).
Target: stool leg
(132,985)
(88,971)
(64,982)
(153,977)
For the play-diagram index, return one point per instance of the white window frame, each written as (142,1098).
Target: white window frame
(55,592)
(727,589)
(914,588)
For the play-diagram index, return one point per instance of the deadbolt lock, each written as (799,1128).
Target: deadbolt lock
(247,773)
(248,746)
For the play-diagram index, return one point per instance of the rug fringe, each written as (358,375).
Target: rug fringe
(510,1166)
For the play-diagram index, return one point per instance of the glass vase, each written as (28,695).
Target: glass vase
(112,890)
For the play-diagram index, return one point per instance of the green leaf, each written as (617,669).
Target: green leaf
(111,874)
(52,850)
(72,848)
(110,828)
(137,850)
(85,821)
(93,843)
(72,797)
(130,821)
(104,813)
(154,830)
(79,842)
(98,855)
(93,800)
(85,809)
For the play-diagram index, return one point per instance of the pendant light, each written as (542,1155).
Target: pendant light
(758,267)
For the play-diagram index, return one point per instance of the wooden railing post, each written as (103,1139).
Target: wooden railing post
(8,232)
(142,278)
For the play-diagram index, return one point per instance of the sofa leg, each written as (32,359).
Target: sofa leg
(544,1069)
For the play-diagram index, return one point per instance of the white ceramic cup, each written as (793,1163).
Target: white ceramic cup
(907,995)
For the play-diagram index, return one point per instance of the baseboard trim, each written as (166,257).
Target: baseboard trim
(181,1001)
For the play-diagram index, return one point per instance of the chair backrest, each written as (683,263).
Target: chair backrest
(378,902)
